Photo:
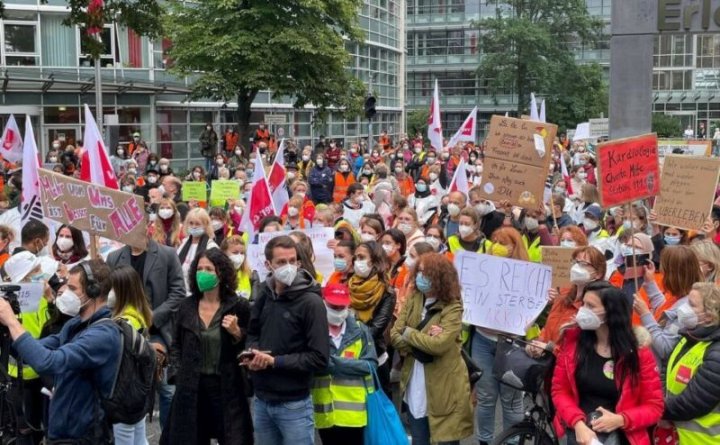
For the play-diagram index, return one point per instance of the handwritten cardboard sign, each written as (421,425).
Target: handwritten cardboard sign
(628,170)
(96,209)
(684,146)
(517,155)
(687,191)
(500,293)
(194,191)
(560,259)
(224,189)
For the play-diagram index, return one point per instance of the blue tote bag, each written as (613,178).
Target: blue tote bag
(384,426)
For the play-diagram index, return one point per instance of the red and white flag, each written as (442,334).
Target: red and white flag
(260,202)
(277,181)
(96,166)
(459,181)
(565,175)
(467,130)
(434,123)
(31,207)
(12,143)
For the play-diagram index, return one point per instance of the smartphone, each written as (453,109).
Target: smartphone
(246,356)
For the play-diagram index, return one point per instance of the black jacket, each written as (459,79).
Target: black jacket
(185,354)
(382,316)
(293,327)
(702,394)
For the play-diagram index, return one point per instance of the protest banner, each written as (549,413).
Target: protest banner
(684,147)
(599,128)
(194,191)
(628,170)
(98,210)
(687,191)
(29,296)
(224,189)
(500,293)
(560,259)
(516,161)
(319,237)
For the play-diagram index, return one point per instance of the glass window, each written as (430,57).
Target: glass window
(20,46)
(109,51)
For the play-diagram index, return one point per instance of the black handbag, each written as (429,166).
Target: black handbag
(422,356)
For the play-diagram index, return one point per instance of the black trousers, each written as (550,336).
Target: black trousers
(210,413)
(340,435)
(26,401)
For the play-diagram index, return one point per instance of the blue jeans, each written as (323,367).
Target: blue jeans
(165,394)
(487,390)
(130,434)
(284,423)
(420,431)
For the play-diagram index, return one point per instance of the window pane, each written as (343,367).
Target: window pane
(20,38)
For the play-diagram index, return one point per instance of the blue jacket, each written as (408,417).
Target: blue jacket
(81,358)
(321,182)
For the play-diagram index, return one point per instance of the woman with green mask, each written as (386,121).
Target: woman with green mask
(210,398)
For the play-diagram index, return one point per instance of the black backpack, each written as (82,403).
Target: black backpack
(133,389)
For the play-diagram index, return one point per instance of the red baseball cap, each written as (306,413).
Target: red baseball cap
(336,294)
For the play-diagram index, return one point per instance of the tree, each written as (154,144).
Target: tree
(666,126)
(581,96)
(417,122)
(527,46)
(295,48)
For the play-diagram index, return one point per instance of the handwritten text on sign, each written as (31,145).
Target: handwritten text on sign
(628,170)
(502,294)
(687,191)
(560,259)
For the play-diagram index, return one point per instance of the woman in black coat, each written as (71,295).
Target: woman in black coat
(210,398)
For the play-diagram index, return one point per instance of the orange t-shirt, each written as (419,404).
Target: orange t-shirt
(561,314)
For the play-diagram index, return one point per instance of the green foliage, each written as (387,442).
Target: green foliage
(295,48)
(666,126)
(527,46)
(417,122)
(580,95)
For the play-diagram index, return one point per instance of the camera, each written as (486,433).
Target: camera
(9,293)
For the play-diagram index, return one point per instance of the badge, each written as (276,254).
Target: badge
(349,354)
(684,375)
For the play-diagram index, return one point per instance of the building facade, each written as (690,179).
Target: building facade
(44,73)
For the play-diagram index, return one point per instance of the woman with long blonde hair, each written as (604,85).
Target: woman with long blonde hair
(167,228)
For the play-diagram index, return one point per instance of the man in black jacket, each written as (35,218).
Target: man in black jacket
(288,341)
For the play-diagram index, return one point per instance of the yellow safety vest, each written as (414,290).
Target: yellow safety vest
(341,401)
(33,323)
(704,430)
(534,250)
(244,285)
(454,245)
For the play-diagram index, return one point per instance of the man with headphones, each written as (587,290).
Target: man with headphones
(83,357)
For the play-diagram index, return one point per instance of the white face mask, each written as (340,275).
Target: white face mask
(286,274)
(388,248)
(579,275)
(483,208)
(531,224)
(112,299)
(587,319)
(335,317)
(410,262)
(64,244)
(166,213)
(196,231)
(152,179)
(433,176)
(434,242)
(68,303)
(405,228)
(216,225)
(45,251)
(590,224)
(687,317)
(367,237)
(238,260)
(362,268)
(568,243)
(453,209)
(293,211)
(465,231)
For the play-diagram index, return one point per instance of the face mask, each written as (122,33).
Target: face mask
(335,317)
(206,280)
(128,188)
(319,162)
(453,209)
(433,176)
(434,242)
(388,248)
(499,250)
(590,224)
(132,171)
(672,240)
(482,208)
(627,225)
(238,260)
(152,179)
(216,225)
(405,228)
(531,224)
(238,152)
(38,277)
(362,268)
(579,275)
(410,262)
(163,168)
(418,149)
(398,169)
(582,176)
(153,163)
(166,213)
(291,175)
(68,303)
(64,244)
(196,231)
(53,159)
(559,190)
(306,158)
(687,317)
(422,283)
(628,251)
(286,274)
(219,162)
(367,237)
(56,146)
(196,175)
(430,161)
(340,264)
(587,319)
(465,231)
(293,211)
(343,168)
(112,299)
(568,243)
(45,251)
(152,217)
(422,188)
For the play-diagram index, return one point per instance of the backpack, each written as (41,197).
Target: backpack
(132,393)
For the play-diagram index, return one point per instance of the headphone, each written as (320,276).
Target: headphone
(92,288)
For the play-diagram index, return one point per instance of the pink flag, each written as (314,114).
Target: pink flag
(460,181)
(565,175)
(12,143)
(277,181)
(467,130)
(31,207)
(260,203)
(96,166)
(434,123)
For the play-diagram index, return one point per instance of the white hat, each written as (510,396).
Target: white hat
(21,264)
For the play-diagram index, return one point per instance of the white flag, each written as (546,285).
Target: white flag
(467,130)
(542,111)
(534,108)
(277,180)
(434,123)
(31,206)
(95,165)
(460,181)
(12,143)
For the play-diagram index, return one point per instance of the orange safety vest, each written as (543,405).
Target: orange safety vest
(342,184)
(406,185)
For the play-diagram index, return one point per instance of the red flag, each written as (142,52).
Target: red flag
(467,130)
(12,143)
(434,123)
(96,166)
(260,203)
(460,181)
(276,181)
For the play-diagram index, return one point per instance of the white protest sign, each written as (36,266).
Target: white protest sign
(319,237)
(502,294)
(29,296)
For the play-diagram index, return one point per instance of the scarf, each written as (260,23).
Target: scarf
(365,294)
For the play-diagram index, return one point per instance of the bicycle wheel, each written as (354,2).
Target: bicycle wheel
(524,434)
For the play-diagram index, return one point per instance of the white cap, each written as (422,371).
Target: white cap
(20,264)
